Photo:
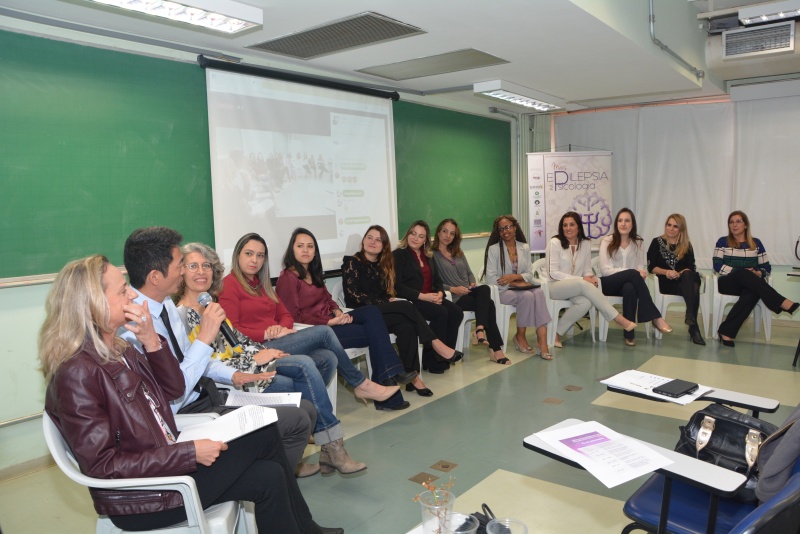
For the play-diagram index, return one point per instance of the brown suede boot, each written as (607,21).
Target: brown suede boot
(333,456)
(306,470)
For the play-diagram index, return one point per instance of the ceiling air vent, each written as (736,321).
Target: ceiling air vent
(758,41)
(364,29)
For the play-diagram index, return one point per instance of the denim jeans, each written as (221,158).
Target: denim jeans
(299,373)
(368,329)
(322,346)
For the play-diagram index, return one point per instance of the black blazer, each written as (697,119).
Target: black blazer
(408,275)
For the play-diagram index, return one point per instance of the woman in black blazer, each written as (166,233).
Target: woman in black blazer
(418,282)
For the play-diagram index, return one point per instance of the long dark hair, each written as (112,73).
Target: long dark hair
(616,238)
(314,268)
(494,237)
(454,247)
(581,234)
(385,259)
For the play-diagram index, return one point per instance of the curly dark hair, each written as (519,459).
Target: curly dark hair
(494,237)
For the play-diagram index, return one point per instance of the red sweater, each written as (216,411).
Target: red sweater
(249,314)
(307,303)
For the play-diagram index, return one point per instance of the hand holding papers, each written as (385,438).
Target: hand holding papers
(611,457)
(231,425)
(643,384)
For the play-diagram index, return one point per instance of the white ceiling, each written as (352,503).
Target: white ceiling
(591,53)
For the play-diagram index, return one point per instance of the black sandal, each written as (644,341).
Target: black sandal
(481,340)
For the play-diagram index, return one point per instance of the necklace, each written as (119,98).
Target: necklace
(573,249)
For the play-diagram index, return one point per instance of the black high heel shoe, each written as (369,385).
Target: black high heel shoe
(455,358)
(402,406)
(793,308)
(726,342)
(422,392)
(405,377)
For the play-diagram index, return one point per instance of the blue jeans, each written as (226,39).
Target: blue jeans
(322,346)
(368,329)
(299,373)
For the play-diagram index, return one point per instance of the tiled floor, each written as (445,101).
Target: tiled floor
(477,419)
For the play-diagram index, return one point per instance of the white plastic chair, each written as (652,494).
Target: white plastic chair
(464,329)
(663,300)
(760,312)
(222,518)
(602,323)
(539,267)
(502,312)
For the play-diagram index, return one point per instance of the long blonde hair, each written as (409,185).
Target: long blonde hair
(426,245)
(76,313)
(683,245)
(263,275)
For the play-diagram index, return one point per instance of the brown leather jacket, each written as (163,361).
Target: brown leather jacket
(101,411)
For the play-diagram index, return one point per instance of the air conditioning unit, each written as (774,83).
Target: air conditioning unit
(769,39)
(767,50)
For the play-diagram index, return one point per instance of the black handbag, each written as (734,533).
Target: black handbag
(729,439)
(483,517)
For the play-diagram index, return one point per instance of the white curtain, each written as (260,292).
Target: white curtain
(686,166)
(616,131)
(768,188)
(703,161)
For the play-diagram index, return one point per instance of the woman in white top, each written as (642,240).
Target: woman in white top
(507,264)
(570,267)
(623,274)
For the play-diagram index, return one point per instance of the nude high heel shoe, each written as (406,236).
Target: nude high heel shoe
(370,390)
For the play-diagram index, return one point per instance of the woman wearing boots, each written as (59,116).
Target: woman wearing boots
(671,258)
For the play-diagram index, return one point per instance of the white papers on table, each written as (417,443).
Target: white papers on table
(245,398)
(231,425)
(643,383)
(611,457)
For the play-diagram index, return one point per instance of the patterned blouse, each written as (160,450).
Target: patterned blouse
(362,282)
(239,357)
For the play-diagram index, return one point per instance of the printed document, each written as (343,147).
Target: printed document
(643,383)
(245,398)
(611,457)
(232,425)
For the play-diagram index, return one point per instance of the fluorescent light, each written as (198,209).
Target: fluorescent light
(767,12)
(519,95)
(227,16)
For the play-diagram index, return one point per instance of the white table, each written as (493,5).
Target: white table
(720,396)
(716,480)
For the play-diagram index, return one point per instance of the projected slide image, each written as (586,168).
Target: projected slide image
(286,155)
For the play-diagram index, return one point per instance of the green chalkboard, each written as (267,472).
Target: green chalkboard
(93,144)
(451,164)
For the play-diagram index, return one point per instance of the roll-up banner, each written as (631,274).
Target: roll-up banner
(559,182)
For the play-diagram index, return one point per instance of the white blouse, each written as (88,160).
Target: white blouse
(562,263)
(623,259)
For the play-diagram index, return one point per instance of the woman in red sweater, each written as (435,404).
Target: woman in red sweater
(253,307)
(302,290)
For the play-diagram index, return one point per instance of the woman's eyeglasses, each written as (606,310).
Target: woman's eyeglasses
(507,227)
(192,267)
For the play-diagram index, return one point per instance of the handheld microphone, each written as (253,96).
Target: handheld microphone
(205,299)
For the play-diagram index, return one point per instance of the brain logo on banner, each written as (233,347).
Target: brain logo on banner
(595,214)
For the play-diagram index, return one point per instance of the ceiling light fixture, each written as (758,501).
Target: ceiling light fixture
(521,96)
(227,16)
(767,12)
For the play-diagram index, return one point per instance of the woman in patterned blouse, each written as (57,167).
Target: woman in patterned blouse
(742,264)
(671,258)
